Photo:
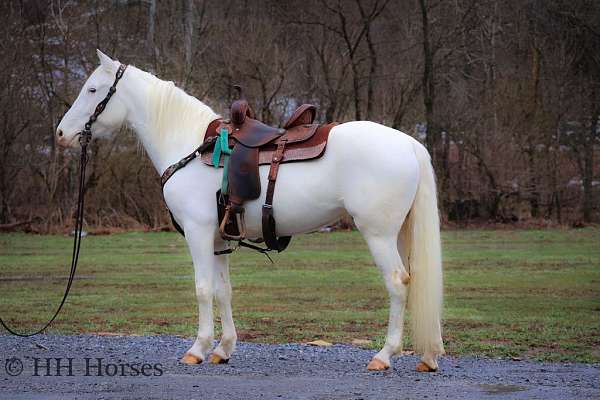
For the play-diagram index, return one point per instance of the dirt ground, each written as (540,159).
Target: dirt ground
(147,367)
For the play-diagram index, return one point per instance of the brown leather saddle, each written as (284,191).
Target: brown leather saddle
(252,143)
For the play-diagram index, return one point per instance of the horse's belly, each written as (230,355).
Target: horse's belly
(306,198)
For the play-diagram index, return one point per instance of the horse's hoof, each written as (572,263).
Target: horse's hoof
(422,367)
(217,359)
(190,359)
(377,365)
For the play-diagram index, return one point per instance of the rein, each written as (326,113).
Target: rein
(85,137)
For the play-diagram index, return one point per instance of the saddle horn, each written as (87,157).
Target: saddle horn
(240,92)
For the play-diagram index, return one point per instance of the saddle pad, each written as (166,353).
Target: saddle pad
(302,151)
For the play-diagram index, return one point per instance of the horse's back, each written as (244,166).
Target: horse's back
(374,152)
(365,163)
(374,141)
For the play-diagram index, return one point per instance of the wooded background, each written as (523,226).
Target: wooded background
(504,93)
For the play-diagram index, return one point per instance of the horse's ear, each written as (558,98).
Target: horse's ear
(106,62)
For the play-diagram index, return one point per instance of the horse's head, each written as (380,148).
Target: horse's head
(94,90)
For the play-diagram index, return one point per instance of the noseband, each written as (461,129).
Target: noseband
(84,139)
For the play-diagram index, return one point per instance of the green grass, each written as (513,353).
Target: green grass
(531,293)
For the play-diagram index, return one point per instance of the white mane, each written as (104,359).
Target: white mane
(174,114)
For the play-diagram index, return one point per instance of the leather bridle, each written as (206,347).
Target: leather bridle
(85,136)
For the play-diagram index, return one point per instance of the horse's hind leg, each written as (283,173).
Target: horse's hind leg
(384,248)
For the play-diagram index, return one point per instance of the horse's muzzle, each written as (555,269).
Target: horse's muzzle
(64,141)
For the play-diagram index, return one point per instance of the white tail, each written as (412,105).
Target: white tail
(421,234)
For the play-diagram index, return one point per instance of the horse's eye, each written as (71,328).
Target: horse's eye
(92,90)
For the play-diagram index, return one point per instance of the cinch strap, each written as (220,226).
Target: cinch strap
(222,147)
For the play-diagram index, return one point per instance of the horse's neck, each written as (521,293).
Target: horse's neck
(163,148)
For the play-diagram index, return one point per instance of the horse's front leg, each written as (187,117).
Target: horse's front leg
(201,244)
(223,351)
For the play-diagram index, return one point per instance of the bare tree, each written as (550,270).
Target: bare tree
(504,93)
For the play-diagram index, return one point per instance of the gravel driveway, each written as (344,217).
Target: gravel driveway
(148,368)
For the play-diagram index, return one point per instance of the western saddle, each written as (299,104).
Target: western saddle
(240,145)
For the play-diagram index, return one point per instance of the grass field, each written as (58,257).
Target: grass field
(533,294)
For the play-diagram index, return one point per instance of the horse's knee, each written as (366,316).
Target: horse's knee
(204,293)
(223,294)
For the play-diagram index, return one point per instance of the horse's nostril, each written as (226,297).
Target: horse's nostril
(60,133)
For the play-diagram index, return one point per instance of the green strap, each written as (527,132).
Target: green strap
(222,147)
(225,182)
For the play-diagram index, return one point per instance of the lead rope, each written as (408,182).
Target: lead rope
(84,140)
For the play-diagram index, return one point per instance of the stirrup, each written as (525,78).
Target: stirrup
(240,223)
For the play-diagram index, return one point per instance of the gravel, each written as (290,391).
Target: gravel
(289,371)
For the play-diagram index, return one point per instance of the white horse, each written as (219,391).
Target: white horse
(382,177)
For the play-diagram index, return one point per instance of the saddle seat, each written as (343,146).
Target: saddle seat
(249,131)
(253,143)
(304,140)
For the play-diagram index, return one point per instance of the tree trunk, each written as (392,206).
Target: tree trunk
(356,88)
(372,69)
(4,210)
(439,153)
(588,165)
(534,194)
(428,85)
(187,39)
(330,111)
(151,23)
(151,33)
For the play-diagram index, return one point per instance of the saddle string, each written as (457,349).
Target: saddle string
(85,137)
